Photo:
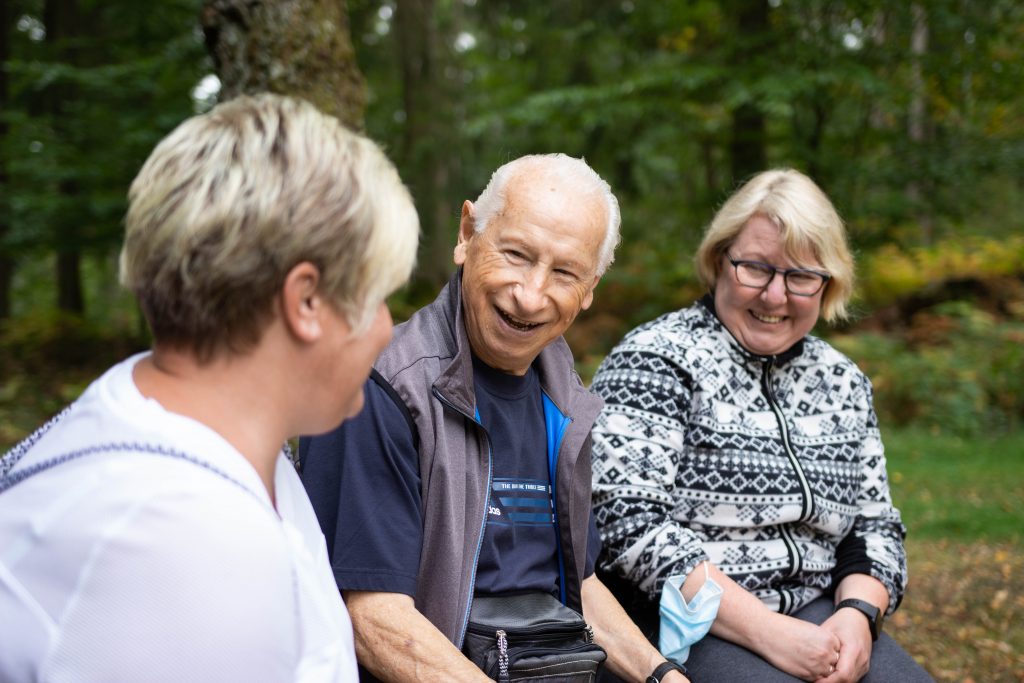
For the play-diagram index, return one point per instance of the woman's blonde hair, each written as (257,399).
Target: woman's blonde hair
(231,200)
(809,224)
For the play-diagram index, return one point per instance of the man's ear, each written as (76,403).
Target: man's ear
(588,298)
(467,229)
(301,302)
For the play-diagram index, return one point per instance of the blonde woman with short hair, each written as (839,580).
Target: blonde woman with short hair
(156,530)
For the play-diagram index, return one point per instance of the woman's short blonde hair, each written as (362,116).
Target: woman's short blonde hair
(809,225)
(232,200)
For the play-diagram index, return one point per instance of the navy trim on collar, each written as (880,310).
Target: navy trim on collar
(794,351)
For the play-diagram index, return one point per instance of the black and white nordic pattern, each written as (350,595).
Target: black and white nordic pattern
(690,461)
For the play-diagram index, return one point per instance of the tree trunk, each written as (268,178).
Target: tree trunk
(6,261)
(428,135)
(916,118)
(746,148)
(64,22)
(292,47)
(747,143)
(69,281)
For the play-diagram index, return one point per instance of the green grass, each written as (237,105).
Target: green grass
(963,504)
(958,489)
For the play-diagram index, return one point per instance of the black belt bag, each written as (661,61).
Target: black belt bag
(531,637)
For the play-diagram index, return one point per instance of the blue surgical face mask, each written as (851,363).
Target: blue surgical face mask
(684,623)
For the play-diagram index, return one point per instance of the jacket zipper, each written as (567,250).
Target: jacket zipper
(807,505)
(483,520)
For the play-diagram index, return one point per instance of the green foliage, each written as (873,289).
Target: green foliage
(47,358)
(960,373)
(87,104)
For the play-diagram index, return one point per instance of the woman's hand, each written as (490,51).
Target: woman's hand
(852,628)
(854,633)
(800,648)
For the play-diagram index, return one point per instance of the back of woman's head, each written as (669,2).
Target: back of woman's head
(231,200)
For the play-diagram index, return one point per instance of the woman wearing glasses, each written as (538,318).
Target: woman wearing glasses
(735,443)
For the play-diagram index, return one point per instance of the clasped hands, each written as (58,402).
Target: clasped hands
(837,651)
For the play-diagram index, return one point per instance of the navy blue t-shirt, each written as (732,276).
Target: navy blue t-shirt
(364,483)
(520,549)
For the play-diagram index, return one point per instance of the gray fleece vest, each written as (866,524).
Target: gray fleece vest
(429,365)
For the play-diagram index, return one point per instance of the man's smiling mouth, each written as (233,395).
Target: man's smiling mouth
(515,323)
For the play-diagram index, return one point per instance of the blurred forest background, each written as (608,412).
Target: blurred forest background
(909,115)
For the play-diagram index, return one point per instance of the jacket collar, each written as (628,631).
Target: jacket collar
(708,303)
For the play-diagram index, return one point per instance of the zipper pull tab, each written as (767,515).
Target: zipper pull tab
(502,655)
(590,633)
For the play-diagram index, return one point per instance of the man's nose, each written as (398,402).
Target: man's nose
(529,293)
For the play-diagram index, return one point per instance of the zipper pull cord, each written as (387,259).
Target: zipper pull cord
(502,655)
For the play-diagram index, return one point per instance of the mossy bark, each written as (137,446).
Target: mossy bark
(292,47)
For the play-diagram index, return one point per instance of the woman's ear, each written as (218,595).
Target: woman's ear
(301,302)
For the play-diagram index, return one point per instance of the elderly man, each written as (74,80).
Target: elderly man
(474,475)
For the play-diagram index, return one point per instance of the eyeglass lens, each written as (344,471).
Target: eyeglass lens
(802,282)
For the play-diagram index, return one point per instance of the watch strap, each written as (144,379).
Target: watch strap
(663,669)
(872,613)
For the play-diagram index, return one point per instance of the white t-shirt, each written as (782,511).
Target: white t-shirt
(135,566)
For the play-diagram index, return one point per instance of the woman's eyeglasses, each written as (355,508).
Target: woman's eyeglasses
(799,281)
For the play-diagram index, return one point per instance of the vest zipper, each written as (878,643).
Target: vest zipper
(483,520)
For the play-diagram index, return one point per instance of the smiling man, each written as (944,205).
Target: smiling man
(474,475)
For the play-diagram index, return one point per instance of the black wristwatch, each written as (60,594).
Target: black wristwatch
(663,669)
(874,615)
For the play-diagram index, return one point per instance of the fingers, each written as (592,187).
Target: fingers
(833,666)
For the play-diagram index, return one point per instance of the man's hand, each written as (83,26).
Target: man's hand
(397,643)
(630,656)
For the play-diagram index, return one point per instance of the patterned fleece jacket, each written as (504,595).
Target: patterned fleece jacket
(772,467)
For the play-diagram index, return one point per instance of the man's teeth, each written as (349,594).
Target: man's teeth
(519,325)
(767,318)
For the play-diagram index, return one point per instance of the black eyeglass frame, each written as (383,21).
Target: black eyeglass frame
(736,263)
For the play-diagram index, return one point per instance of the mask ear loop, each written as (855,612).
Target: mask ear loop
(707,574)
